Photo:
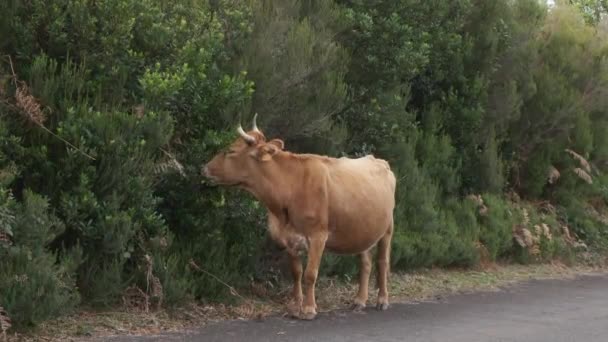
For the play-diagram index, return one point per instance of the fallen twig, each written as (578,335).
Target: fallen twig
(232,289)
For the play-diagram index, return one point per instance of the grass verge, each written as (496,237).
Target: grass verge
(262,301)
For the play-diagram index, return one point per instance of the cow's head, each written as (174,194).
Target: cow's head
(241,163)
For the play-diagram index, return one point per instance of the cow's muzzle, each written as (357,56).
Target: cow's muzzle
(205,171)
(208,178)
(215,180)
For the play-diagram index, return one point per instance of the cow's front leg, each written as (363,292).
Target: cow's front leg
(316,245)
(295,305)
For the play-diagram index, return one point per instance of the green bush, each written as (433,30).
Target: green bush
(587,224)
(165,83)
(496,226)
(35,284)
(546,226)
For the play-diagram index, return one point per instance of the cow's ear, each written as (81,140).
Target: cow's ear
(269,150)
(278,143)
(265,152)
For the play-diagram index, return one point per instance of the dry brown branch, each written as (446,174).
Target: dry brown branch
(581,160)
(139,111)
(553,175)
(583,175)
(5,237)
(170,163)
(530,237)
(5,322)
(524,237)
(136,299)
(519,239)
(31,109)
(483,210)
(547,231)
(476,198)
(566,232)
(535,250)
(543,230)
(28,105)
(545,207)
(154,287)
(571,238)
(485,260)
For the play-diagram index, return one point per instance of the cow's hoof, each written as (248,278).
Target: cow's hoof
(294,309)
(293,312)
(382,305)
(308,313)
(357,306)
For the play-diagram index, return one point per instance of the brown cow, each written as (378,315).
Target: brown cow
(315,203)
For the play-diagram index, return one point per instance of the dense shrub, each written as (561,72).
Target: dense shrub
(496,226)
(36,284)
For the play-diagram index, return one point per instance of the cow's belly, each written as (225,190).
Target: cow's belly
(356,228)
(356,237)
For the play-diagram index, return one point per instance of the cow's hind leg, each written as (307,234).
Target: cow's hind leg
(365,268)
(296,270)
(315,252)
(384,252)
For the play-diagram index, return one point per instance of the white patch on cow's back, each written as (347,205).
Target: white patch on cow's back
(369,163)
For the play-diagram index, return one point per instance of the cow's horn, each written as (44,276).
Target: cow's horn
(255,125)
(248,138)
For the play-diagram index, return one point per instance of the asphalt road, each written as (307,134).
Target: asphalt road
(546,310)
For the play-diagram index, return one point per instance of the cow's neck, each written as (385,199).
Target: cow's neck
(272,187)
